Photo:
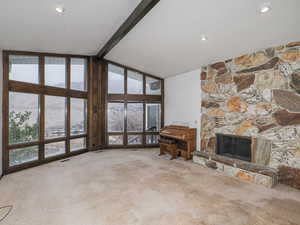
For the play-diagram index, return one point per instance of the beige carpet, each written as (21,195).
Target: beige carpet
(122,187)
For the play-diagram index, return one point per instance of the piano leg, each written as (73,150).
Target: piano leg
(162,149)
(173,151)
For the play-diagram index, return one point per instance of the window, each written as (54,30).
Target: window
(78,116)
(134,82)
(115,117)
(133,111)
(55,117)
(153,117)
(78,74)
(115,140)
(153,86)
(24,68)
(23,118)
(152,139)
(134,139)
(135,117)
(23,155)
(115,79)
(55,71)
(47,112)
(54,149)
(77,144)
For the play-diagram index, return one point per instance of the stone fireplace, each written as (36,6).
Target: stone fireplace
(255,96)
(234,146)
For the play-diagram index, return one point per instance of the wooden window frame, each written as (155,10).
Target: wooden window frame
(42,90)
(132,98)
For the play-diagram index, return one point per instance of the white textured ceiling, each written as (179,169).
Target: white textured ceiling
(165,43)
(86,25)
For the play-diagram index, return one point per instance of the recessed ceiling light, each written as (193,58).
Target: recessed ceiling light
(60,9)
(265,8)
(203,38)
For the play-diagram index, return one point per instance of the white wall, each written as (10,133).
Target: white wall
(1,82)
(182,101)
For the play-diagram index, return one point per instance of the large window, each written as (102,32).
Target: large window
(23,118)
(115,79)
(153,86)
(134,82)
(134,108)
(24,68)
(55,117)
(115,117)
(46,108)
(153,115)
(135,113)
(78,74)
(78,116)
(55,71)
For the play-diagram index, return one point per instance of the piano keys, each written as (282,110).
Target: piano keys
(178,140)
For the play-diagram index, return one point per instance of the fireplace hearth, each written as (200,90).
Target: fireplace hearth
(234,147)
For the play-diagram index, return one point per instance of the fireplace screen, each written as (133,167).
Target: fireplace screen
(234,147)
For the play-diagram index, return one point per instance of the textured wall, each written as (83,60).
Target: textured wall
(255,95)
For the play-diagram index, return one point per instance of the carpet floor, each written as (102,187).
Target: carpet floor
(137,187)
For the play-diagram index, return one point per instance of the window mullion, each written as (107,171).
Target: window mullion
(42,109)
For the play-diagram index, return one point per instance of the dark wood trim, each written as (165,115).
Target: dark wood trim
(132,69)
(5,113)
(18,86)
(30,53)
(139,12)
(68,106)
(42,109)
(134,98)
(46,160)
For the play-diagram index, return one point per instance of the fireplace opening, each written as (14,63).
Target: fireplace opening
(234,147)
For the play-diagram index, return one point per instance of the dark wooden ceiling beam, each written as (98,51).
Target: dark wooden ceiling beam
(140,11)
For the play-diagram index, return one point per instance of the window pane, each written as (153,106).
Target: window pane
(24,68)
(77,144)
(78,74)
(55,117)
(54,149)
(153,86)
(115,140)
(55,71)
(134,82)
(115,79)
(23,155)
(78,116)
(115,117)
(23,118)
(152,117)
(134,139)
(135,117)
(151,139)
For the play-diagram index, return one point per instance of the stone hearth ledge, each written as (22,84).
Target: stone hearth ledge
(254,173)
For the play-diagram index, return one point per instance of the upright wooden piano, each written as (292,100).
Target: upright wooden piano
(178,140)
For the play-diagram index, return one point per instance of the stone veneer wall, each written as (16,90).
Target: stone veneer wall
(255,95)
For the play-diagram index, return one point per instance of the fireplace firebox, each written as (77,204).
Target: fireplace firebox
(234,147)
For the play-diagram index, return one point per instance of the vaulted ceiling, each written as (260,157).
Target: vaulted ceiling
(166,42)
